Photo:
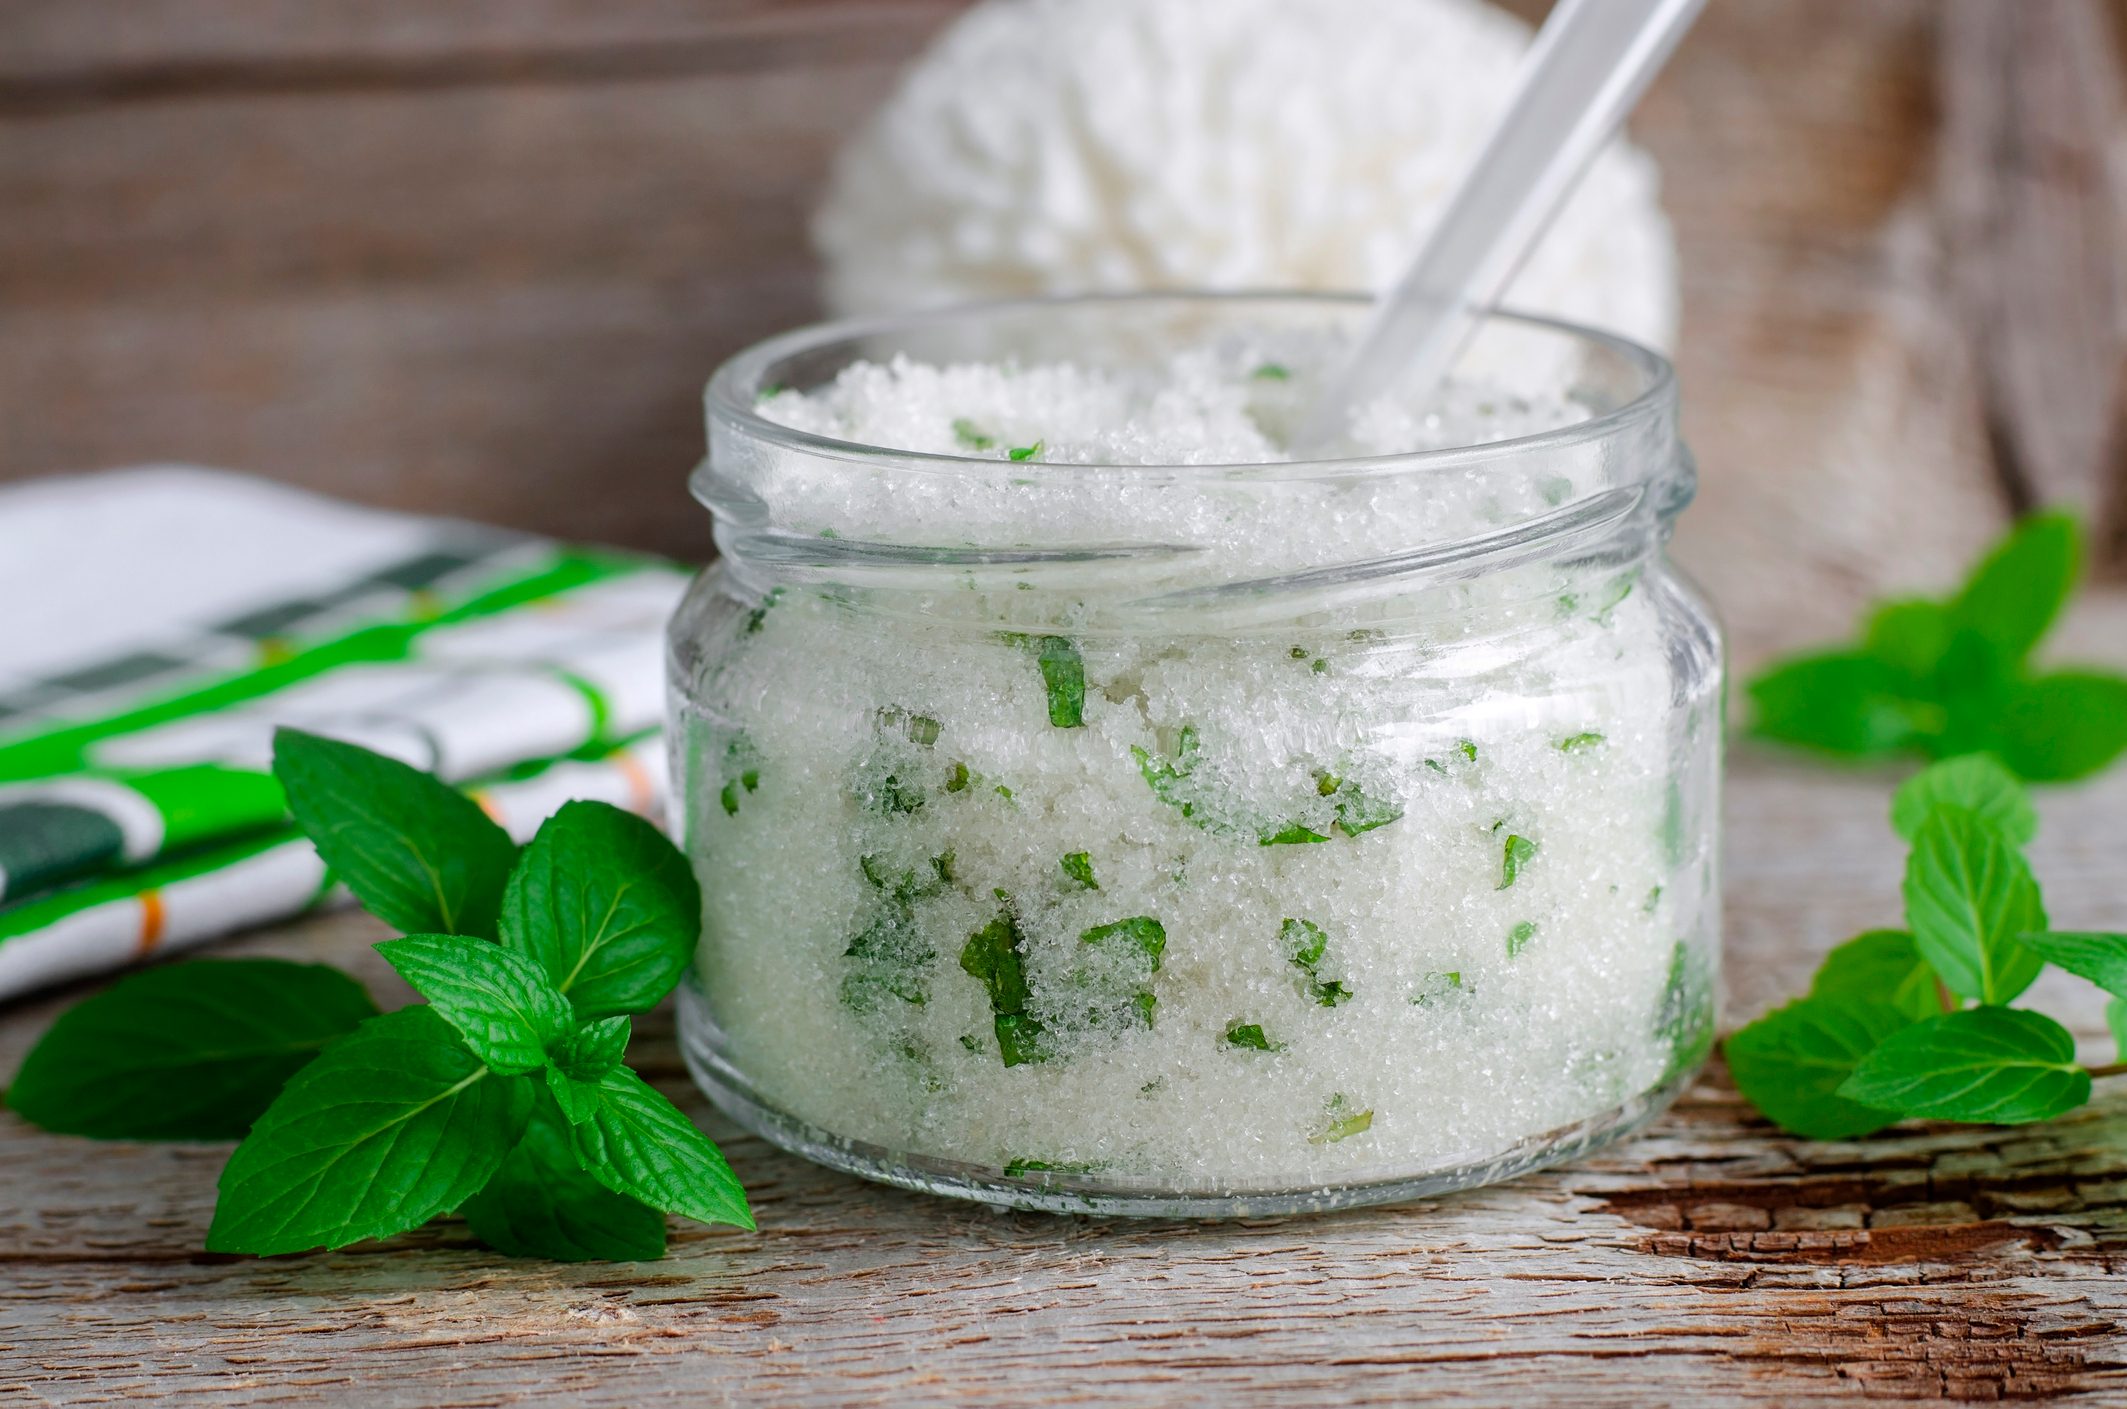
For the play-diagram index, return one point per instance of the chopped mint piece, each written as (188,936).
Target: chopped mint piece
(992,956)
(1320,667)
(1272,372)
(1063,672)
(1519,851)
(1027,452)
(759,614)
(1436,987)
(1307,943)
(1341,1122)
(964,431)
(1250,1036)
(1518,938)
(1079,867)
(1579,743)
(1299,653)
(1467,749)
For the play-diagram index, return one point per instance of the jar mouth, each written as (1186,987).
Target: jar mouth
(734,391)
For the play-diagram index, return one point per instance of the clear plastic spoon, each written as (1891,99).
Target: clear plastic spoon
(1588,66)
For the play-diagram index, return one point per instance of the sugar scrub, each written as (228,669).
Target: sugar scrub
(1094,809)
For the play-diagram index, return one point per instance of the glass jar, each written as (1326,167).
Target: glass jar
(1197,839)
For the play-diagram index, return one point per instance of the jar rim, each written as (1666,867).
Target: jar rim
(735,388)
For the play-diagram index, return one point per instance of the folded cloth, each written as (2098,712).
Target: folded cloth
(164,621)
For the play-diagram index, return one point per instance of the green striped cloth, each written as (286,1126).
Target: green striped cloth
(163,621)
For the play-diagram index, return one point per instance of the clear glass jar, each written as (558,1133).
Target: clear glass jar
(1203,840)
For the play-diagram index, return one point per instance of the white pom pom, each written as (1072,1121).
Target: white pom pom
(1069,146)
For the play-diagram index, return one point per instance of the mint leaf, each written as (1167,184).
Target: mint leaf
(500,1003)
(1579,743)
(1341,1122)
(1063,673)
(2101,958)
(1978,783)
(2060,727)
(539,1204)
(1308,942)
(1519,851)
(1250,1036)
(1968,896)
(1078,866)
(1272,372)
(638,1144)
(2116,1019)
(1518,938)
(2004,1066)
(593,1049)
(2017,591)
(992,957)
(1840,701)
(1881,966)
(606,906)
(1026,452)
(418,853)
(969,437)
(391,1125)
(1122,990)
(1792,1063)
(193,1051)
(1911,636)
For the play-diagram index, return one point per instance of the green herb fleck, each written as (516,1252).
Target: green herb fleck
(1078,867)
(964,432)
(1341,1122)
(1272,372)
(1027,452)
(1518,938)
(1307,942)
(992,956)
(1250,1036)
(1579,743)
(1518,853)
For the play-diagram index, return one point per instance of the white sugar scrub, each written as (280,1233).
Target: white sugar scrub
(1096,809)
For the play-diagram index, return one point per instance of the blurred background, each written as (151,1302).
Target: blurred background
(478,258)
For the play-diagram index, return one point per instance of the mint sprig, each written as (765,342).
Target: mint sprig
(505,1093)
(1948,677)
(1914,1023)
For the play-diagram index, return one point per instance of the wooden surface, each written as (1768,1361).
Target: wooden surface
(1708,1262)
(479,257)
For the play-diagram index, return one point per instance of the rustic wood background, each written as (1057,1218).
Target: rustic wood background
(479,257)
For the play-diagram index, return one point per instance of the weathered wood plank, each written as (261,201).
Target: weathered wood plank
(1710,1261)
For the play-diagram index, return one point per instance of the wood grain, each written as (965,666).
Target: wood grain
(1708,1262)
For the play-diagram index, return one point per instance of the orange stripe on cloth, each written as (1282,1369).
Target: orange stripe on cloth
(151,920)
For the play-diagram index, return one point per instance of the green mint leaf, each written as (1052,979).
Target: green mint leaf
(1840,702)
(1518,852)
(1122,992)
(576,1097)
(2116,1019)
(391,1125)
(1027,452)
(2060,727)
(2004,1066)
(1684,1021)
(1250,1036)
(1272,372)
(2101,958)
(606,906)
(539,1204)
(1063,673)
(1307,943)
(1911,636)
(418,853)
(193,1051)
(1518,938)
(593,1049)
(2017,591)
(1579,743)
(1968,896)
(1078,866)
(1341,1122)
(992,956)
(758,617)
(1881,966)
(969,437)
(639,1144)
(1793,1063)
(1979,784)
(500,1003)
